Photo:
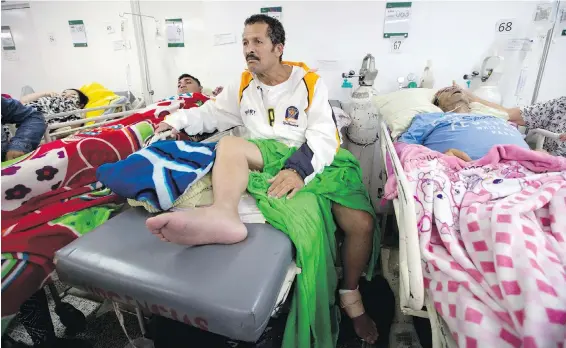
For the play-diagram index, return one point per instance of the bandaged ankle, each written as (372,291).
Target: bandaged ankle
(351,302)
(345,291)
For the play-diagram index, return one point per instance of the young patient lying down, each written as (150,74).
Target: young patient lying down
(458,133)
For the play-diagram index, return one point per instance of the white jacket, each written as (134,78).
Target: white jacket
(304,120)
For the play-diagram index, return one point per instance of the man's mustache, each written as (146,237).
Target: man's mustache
(251,56)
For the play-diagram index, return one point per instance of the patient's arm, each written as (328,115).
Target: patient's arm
(220,114)
(35,96)
(323,140)
(514,113)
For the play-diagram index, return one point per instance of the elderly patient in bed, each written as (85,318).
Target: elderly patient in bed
(457,132)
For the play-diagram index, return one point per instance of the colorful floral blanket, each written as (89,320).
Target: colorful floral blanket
(51,196)
(492,239)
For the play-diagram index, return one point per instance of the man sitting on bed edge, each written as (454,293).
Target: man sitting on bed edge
(457,132)
(293,136)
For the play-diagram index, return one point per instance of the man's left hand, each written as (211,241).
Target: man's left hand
(563,137)
(287,181)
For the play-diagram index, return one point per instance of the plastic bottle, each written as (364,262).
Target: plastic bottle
(427,81)
(346,92)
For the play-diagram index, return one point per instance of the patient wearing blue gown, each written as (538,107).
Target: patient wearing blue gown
(458,132)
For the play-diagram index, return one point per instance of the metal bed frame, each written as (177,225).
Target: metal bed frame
(97,121)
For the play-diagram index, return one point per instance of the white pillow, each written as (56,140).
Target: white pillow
(399,108)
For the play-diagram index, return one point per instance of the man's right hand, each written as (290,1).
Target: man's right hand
(163,127)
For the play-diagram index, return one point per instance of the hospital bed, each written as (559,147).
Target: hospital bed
(414,301)
(218,288)
(127,103)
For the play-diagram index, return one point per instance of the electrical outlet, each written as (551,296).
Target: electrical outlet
(109,28)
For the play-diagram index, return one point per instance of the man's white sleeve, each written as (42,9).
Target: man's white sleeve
(219,114)
(322,137)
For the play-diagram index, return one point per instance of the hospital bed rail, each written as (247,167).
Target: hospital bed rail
(48,136)
(412,293)
(538,136)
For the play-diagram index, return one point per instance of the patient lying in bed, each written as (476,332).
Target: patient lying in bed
(457,132)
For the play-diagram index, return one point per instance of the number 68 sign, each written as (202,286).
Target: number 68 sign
(505,26)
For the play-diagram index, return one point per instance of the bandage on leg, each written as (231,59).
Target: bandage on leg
(351,302)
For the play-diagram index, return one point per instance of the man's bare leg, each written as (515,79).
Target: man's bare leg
(220,223)
(358,227)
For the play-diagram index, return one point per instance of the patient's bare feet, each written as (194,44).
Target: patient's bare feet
(365,328)
(210,225)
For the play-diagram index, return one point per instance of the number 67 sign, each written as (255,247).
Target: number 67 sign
(397,44)
(505,26)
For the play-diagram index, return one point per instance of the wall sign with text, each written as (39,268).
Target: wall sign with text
(397,19)
(7,39)
(78,33)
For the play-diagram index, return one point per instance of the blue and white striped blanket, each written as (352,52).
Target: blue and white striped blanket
(159,173)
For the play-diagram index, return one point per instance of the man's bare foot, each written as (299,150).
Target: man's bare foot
(351,303)
(210,225)
(365,328)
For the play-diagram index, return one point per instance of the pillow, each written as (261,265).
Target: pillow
(399,108)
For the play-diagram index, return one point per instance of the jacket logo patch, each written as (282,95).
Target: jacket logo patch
(291,116)
(249,112)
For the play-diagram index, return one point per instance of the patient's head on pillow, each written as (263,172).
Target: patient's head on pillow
(188,84)
(73,93)
(452,99)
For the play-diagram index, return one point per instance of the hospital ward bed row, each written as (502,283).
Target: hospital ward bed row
(203,303)
(188,284)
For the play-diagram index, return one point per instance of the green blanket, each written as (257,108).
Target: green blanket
(307,219)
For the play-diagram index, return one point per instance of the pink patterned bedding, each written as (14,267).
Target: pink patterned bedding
(493,243)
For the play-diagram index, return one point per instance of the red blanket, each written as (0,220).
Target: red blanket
(51,196)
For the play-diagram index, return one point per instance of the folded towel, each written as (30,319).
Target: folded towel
(160,173)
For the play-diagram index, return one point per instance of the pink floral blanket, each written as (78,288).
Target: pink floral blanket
(492,239)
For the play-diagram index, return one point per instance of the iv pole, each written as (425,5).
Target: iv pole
(142,52)
(544,57)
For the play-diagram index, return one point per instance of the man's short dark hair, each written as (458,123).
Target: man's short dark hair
(83,99)
(275,29)
(189,76)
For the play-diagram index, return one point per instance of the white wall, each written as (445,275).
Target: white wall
(455,35)
(28,66)
(54,67)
